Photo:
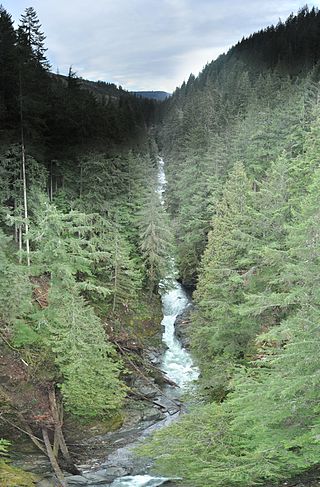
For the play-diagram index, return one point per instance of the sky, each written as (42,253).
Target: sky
(146,44)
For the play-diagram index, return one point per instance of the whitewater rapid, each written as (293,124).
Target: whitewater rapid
(176,363)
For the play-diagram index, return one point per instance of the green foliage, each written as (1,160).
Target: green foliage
(88,364)
(220,336)
(268,427)
(24,335)
(156,240)
(87,174)
(4,445)
(242,145)
(123,273)
(15,288)
(255,329)
(69,248)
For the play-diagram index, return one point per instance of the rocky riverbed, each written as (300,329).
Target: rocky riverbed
(101,456)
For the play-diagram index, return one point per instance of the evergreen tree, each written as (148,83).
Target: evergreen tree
(30,33)
(156,241)
(15,288)
(87,363)
(8,72)
(125,278)
(265,294)
(268,427)
(220,336)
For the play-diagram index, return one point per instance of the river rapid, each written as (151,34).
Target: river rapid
(176,363)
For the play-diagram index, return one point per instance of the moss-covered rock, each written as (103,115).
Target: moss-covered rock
(12,476)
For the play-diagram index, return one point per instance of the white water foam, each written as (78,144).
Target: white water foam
(177,362)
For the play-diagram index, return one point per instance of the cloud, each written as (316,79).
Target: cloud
(147,44)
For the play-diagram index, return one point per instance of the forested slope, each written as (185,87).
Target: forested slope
(79,261)
(242,145)
(82,249)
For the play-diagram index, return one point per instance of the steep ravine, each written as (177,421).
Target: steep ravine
(177,365)
(115,464)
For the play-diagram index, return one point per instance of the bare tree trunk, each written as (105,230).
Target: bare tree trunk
(16,230)
(56,443)
(20,224)
(81,181)
(25,203)
(20,243)
(58,426)
(116,264)
(51,182)
(29,432)
(59,441)
(24,179)
(57,470)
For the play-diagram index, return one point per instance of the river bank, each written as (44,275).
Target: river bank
(103,458)
(107,459)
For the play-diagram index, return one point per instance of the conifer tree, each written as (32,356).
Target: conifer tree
(15,288)
(66,249)
(125,278)
(265,292)
(87,363)
(220,336)
(31,34)
(268,427)
(8,71)
(155,241)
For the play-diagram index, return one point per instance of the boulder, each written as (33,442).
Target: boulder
(182,325)
(50,482)
(77,480)
(144,388)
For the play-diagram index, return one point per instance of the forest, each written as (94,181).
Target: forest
(85,244)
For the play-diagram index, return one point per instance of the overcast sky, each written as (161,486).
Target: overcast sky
(146,44)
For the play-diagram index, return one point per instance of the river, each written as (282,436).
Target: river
(177,362)
(177,365)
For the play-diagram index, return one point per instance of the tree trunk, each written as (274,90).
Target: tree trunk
(25,203)
(116,264)
(59,441)
(81,183)
(56,443)
(16,229)
(58,425)
(57,470)
(20,243)
(24,178)
(51,182)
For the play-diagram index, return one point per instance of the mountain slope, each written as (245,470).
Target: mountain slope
(241,143)
(153,95)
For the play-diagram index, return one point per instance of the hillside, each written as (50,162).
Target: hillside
(101,89)
(241,142)
(152,95)
(87,247)
(78,179)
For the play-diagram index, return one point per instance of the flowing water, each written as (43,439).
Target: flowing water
(177,362)
(177,365)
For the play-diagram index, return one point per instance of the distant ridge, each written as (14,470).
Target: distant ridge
(154,95)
